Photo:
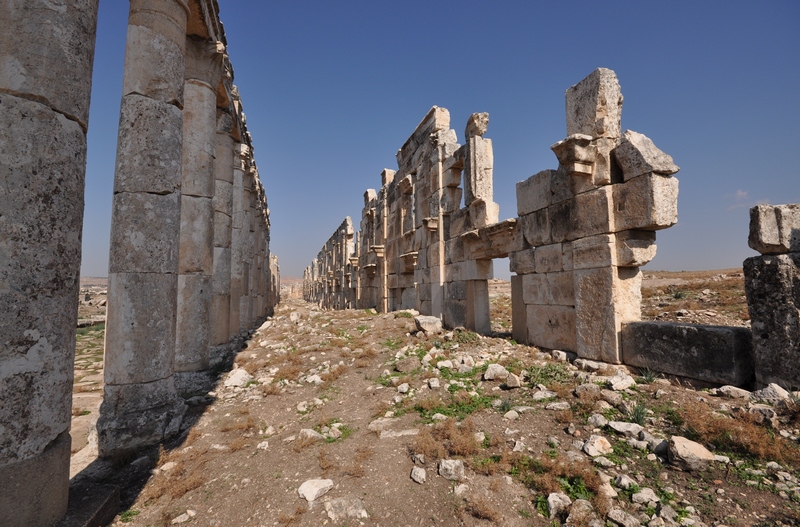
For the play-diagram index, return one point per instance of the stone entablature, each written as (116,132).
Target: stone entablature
(581,233)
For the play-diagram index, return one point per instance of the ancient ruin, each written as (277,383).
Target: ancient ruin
(191,270)
(581,233)
(773,294)
(190,266)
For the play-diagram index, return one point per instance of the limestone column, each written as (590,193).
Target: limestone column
(140,405)
(221,280)
(46,55)
(237,236)
(196,255)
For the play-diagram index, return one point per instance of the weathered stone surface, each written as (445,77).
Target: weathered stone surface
(50,53)
(552,327)
(648,202)
(42,162)
(637,155)
(452,469)
(428,324)
(558,504)
(140,327)
(144,233)
(199,138)
(594,105)
(408,364)
(136,415)
(775,229)
(495,371)
(312,489)
(154,54)
(719,354)
(36,489)
(192,322)
(689,455)
(196,236)
(149,147)
(597,446)
(339,509)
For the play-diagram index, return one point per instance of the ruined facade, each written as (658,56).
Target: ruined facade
(429,235)
(189,266)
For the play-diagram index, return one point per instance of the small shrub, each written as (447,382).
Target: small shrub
(128,515)
(638,414)
(480,508)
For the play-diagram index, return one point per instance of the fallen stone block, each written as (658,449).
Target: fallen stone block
(718,354)
(638,155)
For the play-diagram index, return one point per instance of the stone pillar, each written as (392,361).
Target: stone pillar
(45,82)
(195,258)
(772,285)
(221,280)
(237,235)
(140,405)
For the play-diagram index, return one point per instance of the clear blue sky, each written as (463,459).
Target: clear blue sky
(332,89)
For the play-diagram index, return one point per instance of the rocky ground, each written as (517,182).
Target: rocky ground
(358,418)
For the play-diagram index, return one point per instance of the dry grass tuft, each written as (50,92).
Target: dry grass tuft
(292,519)
(239,443)
(447,438)
(334,373)
(564,416)
(480,508)
(326,463)
(739,434)
(240,426)
(381,408)
(356,469)
(548,475)
(290,372)
(272,388)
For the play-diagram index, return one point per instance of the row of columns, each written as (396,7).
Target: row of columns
(189,267)
(190,226)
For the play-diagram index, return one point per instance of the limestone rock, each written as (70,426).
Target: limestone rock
(621,381)
(637,155)
(339,509)
(512,381)
(771,394)
(495,371)
(308,433)
(645,496)
(597,420)
(452,469)
(238,378)
(594,105)
(733,392)
(418,474)
(688,455)
(312,489)
(558,504)
(623,519)
(597,446)
(626,429)
(430,325)
(581,513)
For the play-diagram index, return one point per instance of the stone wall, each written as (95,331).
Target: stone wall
(429,235)
(189,266)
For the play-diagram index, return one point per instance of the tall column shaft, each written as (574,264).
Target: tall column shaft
(45,82)
(195,259)
(140,405)
(223,194)
(237,237)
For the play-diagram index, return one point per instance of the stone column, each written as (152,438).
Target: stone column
(45,82)
(195,259)
(221,281)
(237,235)
(140,405)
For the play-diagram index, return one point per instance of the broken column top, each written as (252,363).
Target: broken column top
(477,124)
(638,155)
(775,229)
(594,105)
